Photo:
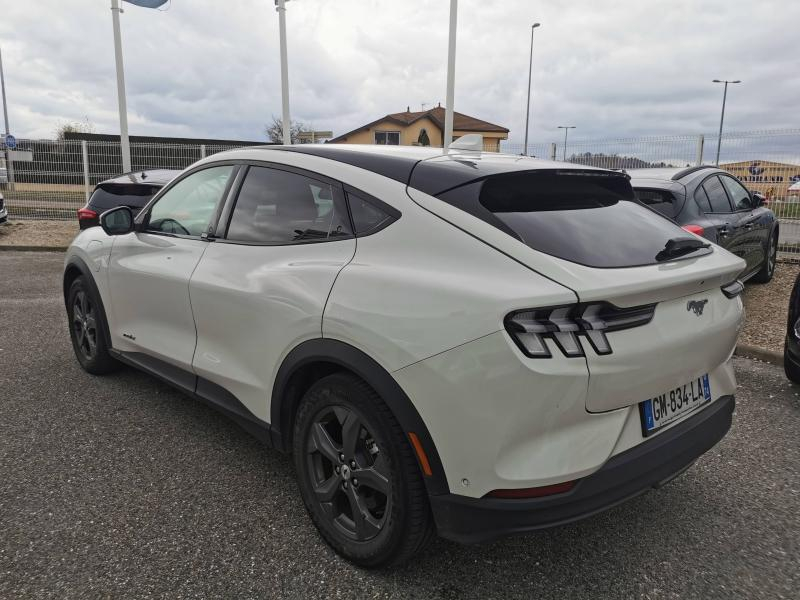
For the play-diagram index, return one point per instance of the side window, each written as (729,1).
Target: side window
(188,207)
(387,138)
(279,207)
(739,195)
(701,198)
(658,200)
(366,216)
(717,197)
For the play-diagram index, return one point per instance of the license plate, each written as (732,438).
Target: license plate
(665,408)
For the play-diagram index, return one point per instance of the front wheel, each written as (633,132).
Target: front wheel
(357,474)
(86,329)
(770,260)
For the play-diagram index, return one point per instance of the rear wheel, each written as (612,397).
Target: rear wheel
(86,327)
(771,259)
(357,474)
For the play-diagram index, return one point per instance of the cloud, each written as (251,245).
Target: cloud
(206,68)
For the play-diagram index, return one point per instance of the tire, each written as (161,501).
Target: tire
(767,270)
(342,415)
(87,324)
(791,368)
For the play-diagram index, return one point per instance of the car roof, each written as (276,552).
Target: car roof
(159,177)
(427,169)
(668,173)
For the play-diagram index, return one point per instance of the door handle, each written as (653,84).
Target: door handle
(723,231)
(748,226)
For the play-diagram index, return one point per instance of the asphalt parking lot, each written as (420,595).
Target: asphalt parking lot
(121,487)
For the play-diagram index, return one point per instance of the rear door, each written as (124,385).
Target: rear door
(261,287)
(715,203)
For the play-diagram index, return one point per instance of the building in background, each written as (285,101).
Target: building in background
(423,128)
(771,178)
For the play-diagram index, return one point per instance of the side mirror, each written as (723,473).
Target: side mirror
(117,221)
(758,199)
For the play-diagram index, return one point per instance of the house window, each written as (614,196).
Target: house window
(387,138)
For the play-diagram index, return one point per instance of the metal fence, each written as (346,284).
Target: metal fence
(57,177)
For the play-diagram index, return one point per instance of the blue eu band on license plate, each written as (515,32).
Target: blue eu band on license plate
(665,408)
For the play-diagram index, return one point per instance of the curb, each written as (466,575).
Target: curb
(768,356)
(33,248)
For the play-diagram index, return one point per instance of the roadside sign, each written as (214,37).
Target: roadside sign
(11,141)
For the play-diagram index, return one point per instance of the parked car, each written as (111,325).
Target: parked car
(133,190)
(791,344)
(3,209)
(470,344)
(712,203)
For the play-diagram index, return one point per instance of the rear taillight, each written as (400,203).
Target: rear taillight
(564,325)
(86,213)
(535,492)
(695,229)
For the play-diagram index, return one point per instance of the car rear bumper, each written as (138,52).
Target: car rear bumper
(626,475)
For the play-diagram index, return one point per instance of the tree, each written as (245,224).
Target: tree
(275,130)
(85,126)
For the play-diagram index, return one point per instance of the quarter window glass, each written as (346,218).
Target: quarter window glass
(738,193)
(701,198)
(387,138)
(188,207)
(658,200)
(366,217)
(277,207)
(716,195)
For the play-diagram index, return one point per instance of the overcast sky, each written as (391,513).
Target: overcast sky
(210,68)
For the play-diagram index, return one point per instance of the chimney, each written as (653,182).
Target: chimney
(408,108)
(440,105)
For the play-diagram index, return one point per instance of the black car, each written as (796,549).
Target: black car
(711,202)
(791,345)
(133,190)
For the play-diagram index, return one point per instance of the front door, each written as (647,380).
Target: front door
(149,271)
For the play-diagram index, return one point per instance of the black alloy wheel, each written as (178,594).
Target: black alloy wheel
(349,474)
(358,475)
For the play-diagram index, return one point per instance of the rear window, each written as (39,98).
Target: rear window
(659,200)
(111,195)
(587,217)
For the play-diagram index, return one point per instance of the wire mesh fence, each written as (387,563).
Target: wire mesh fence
(54,178)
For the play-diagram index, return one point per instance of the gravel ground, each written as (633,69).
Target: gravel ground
(57,234)
(767,308)
(119,486)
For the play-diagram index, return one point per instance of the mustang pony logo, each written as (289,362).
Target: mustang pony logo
(697,306)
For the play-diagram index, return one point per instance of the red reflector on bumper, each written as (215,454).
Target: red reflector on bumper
(535,492)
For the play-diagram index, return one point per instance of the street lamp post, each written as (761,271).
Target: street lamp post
(287,124)
(530,73)
(722,116)
(566,129)
(125,146)
(9,162)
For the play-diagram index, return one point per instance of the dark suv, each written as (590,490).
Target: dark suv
(710,202)
(133,190)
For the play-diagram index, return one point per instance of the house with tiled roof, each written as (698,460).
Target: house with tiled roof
(423,128)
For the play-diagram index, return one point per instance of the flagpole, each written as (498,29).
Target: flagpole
(451,76)
(125,145)
(287,123)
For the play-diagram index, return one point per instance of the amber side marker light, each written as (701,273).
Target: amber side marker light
(534,492)
(423,458)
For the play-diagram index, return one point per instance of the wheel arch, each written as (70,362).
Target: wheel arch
(316,358)
(75,268)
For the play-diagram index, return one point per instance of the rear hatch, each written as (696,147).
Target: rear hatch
(584,229)
(111,195)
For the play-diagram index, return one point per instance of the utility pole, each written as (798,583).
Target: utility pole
(530,74)
(566,129)
(125,144)
(9,162)
(287,123)
(722,116)
(451,75)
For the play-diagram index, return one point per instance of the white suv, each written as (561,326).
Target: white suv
(465,343)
